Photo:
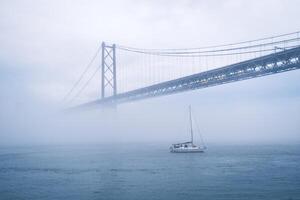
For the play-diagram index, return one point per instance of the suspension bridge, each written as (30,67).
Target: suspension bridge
(128,74)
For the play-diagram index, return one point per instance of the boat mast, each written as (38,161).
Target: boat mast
(191,124)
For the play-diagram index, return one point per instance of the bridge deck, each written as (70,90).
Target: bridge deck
(266,65)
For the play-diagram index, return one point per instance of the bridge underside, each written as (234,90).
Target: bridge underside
(283,61)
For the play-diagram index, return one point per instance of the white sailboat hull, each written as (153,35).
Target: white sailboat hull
(186,150)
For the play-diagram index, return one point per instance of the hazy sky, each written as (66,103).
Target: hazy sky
(46,44)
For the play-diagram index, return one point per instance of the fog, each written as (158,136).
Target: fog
(46,44)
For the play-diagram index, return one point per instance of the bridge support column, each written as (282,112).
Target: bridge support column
(108,71)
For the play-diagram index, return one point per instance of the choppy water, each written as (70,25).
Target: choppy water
(149,172)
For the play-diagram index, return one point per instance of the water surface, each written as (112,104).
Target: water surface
(149,171)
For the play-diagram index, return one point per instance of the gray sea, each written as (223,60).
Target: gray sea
(149,171)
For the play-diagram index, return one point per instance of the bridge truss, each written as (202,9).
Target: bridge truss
(286,60)
(247,60)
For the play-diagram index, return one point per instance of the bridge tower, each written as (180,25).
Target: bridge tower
(108,70)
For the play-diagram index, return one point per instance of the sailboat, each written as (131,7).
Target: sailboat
(188,147)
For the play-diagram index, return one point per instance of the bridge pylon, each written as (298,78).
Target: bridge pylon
(108,70)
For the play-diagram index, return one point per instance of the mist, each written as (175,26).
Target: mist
(45,45)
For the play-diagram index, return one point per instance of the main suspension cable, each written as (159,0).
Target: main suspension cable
(212,55)
(207,51)
(212,46)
